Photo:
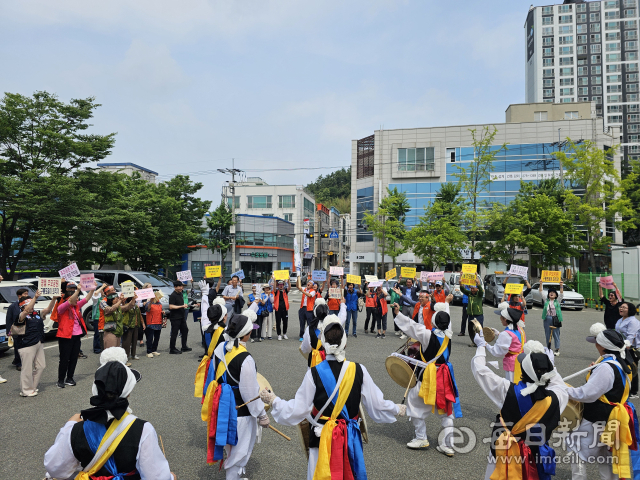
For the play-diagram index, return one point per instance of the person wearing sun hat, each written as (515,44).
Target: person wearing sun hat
(529,412)
(110,306)
(232,381)
(606,409)
(107,440)
(509,342)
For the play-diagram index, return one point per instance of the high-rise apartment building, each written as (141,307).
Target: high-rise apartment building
(588,51)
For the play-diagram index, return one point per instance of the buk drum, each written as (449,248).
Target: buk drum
(401,371)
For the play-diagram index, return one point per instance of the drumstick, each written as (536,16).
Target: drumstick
(580,372)
(279,433)
(413,371)
(550,334)
(162,445)
(252,400)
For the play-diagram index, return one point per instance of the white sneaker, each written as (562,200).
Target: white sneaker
(136,357)
(398,333)
(417,444)
(156,353)
(403,336)
(285,337)
(2,380)
(557,353)
(150,355)
(445,450)
(279,337)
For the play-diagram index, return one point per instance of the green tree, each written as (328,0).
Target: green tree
(43,142)
(219,223)
(475,179)
(333,189)
(596,194)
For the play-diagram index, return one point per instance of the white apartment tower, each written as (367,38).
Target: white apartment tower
(588,51)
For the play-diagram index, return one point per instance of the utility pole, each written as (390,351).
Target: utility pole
(232,188)
(317,228)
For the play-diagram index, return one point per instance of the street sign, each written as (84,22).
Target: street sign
(333,234)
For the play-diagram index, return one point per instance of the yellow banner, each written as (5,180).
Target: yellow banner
(390,274)
(281,274)
(513,288)
(551,276)
(468,279)
(355,279)
(213,271)
(468,268)
(407,272)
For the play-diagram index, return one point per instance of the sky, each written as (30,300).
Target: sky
(188,86)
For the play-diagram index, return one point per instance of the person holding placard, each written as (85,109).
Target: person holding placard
(112,327)
(333,303)
(411,291)
(131,322)
(474,307)
(281,308)
(305,313)
(97,318)
(265,309)
(177,307)
(381,312)
(370,305)
(351,296)
(629,327)
(611,306)
(552,315)
(517,300)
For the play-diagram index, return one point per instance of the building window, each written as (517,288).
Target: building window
(614,57)
(614,109)
(581,7)
(566,100)
(547,72)
(609,4)
(566,61)
(565,92)
(611,15)
(614,68)
(595,38)
(565,51)
(629,3)
(571,115)
(631,45)
(451,155)
(614,78)
(614,99)
(581,29)
(633,128)
(288,217)
(594,17)
(564,9)
(565,19)
(547,10)
(581,18)
(549,83)
(614,88)
(596,99)
(596,49)
(566,72)
(596,59)
(635,118)
(582,38)
(547,41)
(632,77)
(632,97)
(596,70)
(548,92)
(267,214)
(547,52)
(630,24)
(236,202)
(633,87)
(547,62)
(566,82)
(365,157)
(596,90)
(583,90)
(540,116)
(631,56)
(364,203)
(286,201)
(547,20)
(613,47)
(259,201)
(547,31)
(594,6)
(565,30)
(583,70)
(612,37)
(629,13)
(416,159)
(583,81)
(594,27)
(632,67)
(596,80)
(612,26)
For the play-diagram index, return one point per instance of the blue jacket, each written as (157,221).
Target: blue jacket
(13,312)
(351,300)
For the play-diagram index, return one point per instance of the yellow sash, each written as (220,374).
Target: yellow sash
(507,446)
(323,467)
(617,434)
(202,368)
(205,412)
(429,385)
(316,357)
(110,449)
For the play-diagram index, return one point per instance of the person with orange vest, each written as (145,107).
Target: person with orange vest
(71,328)
(154,322)
(333,303)
(305,313)
(281,309)
(370,304)
(381,311)
(440,292)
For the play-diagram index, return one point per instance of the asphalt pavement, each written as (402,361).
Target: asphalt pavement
(165,398)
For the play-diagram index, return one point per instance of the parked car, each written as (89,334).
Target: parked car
(4,340)
(8,296)
(494,289)
(454,288)
(571,298)
(293,278)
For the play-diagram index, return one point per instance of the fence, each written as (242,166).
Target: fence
(587,286)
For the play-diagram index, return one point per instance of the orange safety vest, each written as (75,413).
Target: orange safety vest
(371,300)
(310,300)
(440,296)
(333,304)
(427,313)
(101,317)
(276,302)
(154,314)
(383,306)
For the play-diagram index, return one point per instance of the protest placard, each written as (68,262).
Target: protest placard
(355,279)
(469,268)
(69,272)
(370,278)
(50,286)
(468,279)
(435,276)
(552,276)
(375,284)
(281,274)
(407,272)
(184,276)
(424,276)
(87,282)
(513,288)
(212,271)
(390,274)
(319,276)
(239,274)
(335,293)
(128,289)
(145,294)
(336,271)
(518,270)
(607,282)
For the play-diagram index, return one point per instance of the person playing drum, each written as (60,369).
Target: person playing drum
(331,393)
(606,406)
(509,342)
(529,412)
(436,389)
(232,380)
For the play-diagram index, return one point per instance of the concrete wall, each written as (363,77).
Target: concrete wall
(522,113)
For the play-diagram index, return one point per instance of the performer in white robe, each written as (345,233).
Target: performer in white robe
(509,342)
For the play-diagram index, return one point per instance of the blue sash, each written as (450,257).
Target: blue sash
(227,424)
(457,409)
(94,432)
(354,438)
(517,332)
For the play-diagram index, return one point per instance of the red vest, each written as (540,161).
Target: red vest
(310,300)
(66,321)
(101,318)
(154,314)
(371,300)
(333,304)
(383,306)
(440,297)
(276,302)
(427,313)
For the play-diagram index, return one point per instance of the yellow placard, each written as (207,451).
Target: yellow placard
(281,274)
(407,272)
(355,279)
(469,268)
(390,274)
(513,288)
(468,279)
(551,276)
(213,271)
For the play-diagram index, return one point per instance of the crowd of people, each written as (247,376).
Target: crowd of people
(530,394)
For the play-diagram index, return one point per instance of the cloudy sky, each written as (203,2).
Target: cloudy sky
(190,85)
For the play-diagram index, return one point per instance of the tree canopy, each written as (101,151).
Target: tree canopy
(333,189)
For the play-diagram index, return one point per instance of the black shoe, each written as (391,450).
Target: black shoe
(60,384)
(19,368)
(175,351)
(461,334)
(70,381)
(200,358)
(355,335)
(384,336)
(97,352)
(82,355)
(186,349)
(366,331)
(371,331)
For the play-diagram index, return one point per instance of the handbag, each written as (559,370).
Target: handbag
(18,329)
(555,323)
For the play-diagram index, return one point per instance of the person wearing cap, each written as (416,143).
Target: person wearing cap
(30,349)
(509,342)
(629,326)
(266,307)
(336,421)
(71,329)
(311,340)
(474,307)
(155,322)
(111,309)
(436,390)
(440,292)
(232,380)
(529,412)
(605,404)
(133,449)
(552,309)
(370,305)
(281,308)
(305,313)
(131,322)
(611,305)
(97,317)
(423,308)
(13,312)
(177,309)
